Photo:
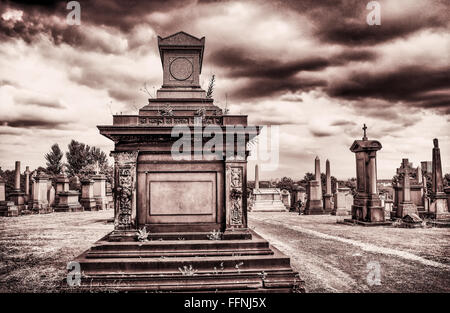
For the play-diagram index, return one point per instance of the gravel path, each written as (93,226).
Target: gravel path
(332,257)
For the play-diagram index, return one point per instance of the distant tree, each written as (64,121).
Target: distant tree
(83,158)
(446,180)
(307,178)
(286,183)
(54,164)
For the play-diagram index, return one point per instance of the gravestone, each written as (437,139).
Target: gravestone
(7,208)
(51,193)
(406,206)
(267,199)
(194,205)
(66,200)
(87,199)
(366,208)
(439,204)
(100,191)
(17,195)
(314,203)
(327,197)
(286,198)
(343,202)
(40,201)
(109,195)
(298,194)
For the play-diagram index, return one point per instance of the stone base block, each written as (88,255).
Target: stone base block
(363,223)
(187,265)
(8,208)
(314,207)
(89,204)
(369,214)
(269,206)
(406,208)
(341,212)
(69,208)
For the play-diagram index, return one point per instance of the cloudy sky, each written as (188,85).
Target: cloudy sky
(316,68)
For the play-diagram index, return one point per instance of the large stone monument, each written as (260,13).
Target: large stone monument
(189,195)
(367,209)
(439,203)
(17,195)
(266,199)
(327,197)
(314,204)
(100,191)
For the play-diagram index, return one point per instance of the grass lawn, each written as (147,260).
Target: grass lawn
(35,249)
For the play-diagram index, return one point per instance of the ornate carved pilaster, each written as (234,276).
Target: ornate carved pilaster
(125,189)
(235,196)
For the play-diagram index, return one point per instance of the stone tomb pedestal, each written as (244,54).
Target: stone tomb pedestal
(87,199)
(66,200)
(343,201)
(367,209)
(7,208)
(40,200)
(192,202)
(268,200)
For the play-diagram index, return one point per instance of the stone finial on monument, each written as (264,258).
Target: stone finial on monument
(314,203)
(406,206)
(367,208)
(439,205)
(327,197)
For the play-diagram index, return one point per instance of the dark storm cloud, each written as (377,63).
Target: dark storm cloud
(33,122)
(320,133)
(344,21)
(39,101)
(404,84)
(342,123)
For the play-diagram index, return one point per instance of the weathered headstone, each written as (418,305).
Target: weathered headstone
(7,208)
(100,191)
(286,198)
(343,202)
(314,203)
(40,201)
(367,209)
(87,195)
(327,197)
(439,204)
(51,193)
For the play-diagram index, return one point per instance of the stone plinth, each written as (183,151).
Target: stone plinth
(367,208)
(100,191)
(87,199)
(268,200)
(314,204)
(40,201)
(298,197)
(8,208)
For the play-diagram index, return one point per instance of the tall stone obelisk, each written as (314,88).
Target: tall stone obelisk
(314,204)
(439,202)
(327,204)
(367,208)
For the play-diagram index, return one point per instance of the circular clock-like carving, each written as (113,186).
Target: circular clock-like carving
(181,68)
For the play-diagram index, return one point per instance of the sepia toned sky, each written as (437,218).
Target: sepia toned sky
(316,68)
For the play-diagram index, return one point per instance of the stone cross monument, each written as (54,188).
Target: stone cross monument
(367,208)
(406,206)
